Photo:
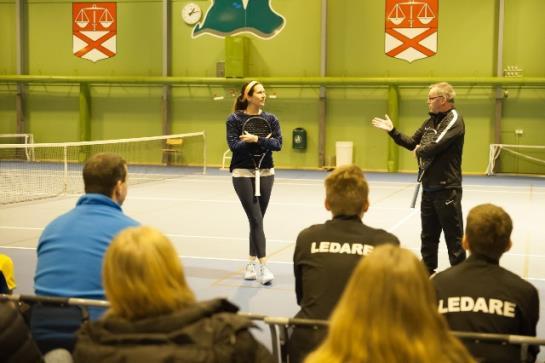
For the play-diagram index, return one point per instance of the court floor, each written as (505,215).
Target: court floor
(203,218)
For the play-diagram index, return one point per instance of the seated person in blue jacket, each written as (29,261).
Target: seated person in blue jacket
(154,316)
(326,254)
(71,247)
(480,296)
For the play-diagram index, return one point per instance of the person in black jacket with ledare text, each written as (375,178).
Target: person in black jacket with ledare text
(326,254)
(438,146)
(480,296)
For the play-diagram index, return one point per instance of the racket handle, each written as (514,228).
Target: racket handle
(257,183)
(415,195)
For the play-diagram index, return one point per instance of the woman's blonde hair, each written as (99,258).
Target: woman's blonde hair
(388,314)
(143,275)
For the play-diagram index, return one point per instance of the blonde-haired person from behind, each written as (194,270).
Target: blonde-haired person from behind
(153,314)
(388,314)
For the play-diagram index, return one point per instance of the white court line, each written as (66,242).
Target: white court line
(319,182)
(403,220)
(233,259)
(169,235)
(416,249)
(400,185)
(236,201)
(18,248)
(23,228)
(240,259)
(181,256)
(224,238)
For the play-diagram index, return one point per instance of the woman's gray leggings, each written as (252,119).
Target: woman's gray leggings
(255,208)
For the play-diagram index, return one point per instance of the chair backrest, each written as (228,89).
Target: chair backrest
(55,326)
(4,289)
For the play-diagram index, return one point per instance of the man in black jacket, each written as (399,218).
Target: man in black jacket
(480,296)
(438,146)
(326,254)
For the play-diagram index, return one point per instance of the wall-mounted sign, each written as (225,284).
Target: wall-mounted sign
(231,17)
(411,29)
(94,30)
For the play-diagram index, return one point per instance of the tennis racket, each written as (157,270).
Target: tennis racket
(422,167)
(423,164)
(258,126)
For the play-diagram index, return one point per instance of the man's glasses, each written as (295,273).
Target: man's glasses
(432,98)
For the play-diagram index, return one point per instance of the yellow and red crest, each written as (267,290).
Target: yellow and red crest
(94,30)
(411,29)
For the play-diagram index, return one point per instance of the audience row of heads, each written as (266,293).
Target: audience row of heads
(388,302)
(389,273)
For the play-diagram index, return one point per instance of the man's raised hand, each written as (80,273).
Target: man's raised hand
(383,123)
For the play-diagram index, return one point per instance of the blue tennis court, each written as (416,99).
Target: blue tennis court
(203,217)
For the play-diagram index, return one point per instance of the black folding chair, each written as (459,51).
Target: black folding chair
(54,321)
(4,289)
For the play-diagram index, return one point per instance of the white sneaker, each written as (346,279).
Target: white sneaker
(249,272)
(266,275)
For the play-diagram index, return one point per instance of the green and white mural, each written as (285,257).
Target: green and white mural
(231,17)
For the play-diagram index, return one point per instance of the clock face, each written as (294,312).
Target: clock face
(191,13)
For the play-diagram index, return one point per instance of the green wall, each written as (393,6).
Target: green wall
(355,42)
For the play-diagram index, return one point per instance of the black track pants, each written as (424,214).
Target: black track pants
(442,211)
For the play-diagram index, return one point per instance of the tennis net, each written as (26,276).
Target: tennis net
(516,159)
(56,168)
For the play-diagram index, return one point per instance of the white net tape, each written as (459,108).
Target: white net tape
(516,151)
(36,171)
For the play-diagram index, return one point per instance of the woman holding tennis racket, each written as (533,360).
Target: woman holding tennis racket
(252,136)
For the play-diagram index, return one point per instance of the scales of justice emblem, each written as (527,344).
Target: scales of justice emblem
(411,29)
(94,30)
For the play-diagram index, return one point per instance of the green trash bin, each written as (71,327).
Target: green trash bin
(299,138)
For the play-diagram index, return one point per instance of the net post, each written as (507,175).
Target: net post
(65,151)
(204,152)
(490,167)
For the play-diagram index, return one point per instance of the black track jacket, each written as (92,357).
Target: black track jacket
(479,296)
(444,150)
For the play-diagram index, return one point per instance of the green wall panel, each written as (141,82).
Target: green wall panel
(523,40)
(349,119)
(125,112)
(138,41)
(52,113)
(524,111)
(355,41)
(7,37)
(8,121)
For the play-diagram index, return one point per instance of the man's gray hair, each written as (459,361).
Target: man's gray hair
(445,90)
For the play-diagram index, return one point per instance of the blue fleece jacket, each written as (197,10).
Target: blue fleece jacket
(71,248)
